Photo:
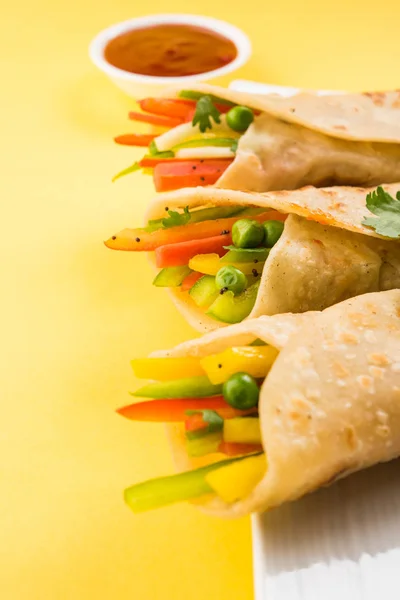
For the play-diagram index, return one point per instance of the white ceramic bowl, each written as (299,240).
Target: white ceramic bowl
(136,85)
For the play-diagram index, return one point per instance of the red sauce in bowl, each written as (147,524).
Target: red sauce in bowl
(170,51)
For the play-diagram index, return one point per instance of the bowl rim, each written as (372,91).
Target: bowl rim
(233,33)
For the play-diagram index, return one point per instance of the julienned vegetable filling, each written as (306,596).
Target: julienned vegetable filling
(216,254)
(217,406)
(199,142)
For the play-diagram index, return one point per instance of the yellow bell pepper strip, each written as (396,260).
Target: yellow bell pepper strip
(162,491)
(254,360)
(201,446)
(210,264)
(242,430)
(165,369)
(139,240)
(236,481)
(190,387)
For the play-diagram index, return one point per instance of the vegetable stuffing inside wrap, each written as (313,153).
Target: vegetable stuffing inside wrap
(274,408)
(226,255)
(213,136)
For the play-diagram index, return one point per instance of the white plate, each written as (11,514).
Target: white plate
(342,542)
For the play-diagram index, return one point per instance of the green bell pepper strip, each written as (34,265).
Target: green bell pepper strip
(127,171)
(193,95)
(171,276)
(191,387)
(202,142)
(162,491)
(245,255)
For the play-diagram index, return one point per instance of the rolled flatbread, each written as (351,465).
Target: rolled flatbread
(330,404)
(324,255)
(347,139)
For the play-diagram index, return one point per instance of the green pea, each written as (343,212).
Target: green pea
(241,391)
(247,233)
(231,278)
(273,231)
(239,118)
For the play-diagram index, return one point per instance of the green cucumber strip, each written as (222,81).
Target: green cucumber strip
(171,276)
(204,292)
(229,308)
(162,491)
(190,387)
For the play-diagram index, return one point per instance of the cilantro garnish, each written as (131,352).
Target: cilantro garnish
(130,169)
(205,111)
(387,210)
(175,218)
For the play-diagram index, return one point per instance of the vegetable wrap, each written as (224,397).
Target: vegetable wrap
(264,142)
(287,251)
(328,406)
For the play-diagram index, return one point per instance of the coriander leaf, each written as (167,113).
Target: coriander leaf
(234,146)
(130,169)
(175,218)
(205,111)
(387,210)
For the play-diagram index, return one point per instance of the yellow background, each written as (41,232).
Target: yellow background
(74,313)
